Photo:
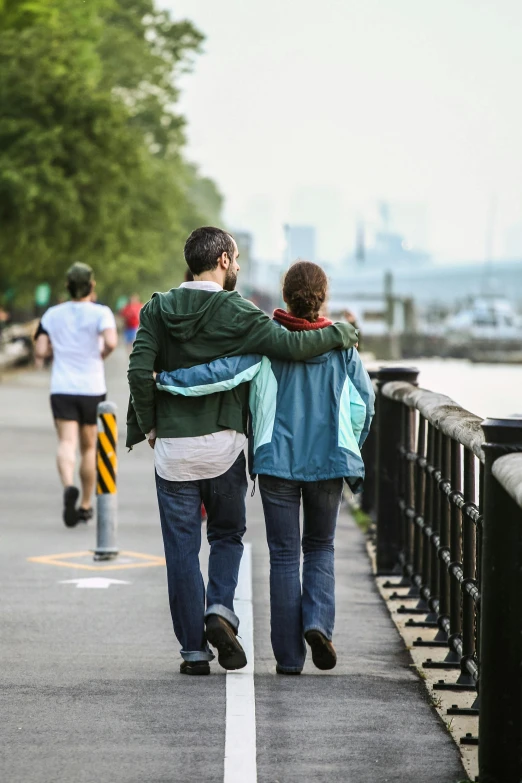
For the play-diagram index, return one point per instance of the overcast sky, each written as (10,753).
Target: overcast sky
(312,112)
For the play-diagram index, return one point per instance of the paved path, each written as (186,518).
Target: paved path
(90,686)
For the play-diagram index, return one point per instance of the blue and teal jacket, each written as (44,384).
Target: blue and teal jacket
(309,419)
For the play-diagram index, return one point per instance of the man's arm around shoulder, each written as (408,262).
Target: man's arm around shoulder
(260,334)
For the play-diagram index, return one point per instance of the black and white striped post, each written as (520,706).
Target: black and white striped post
(106,486)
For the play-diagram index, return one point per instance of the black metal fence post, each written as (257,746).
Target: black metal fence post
(469,567)
(389,433)
(369,454)
(455,540)
(419,495)
(427,530)
(500,728)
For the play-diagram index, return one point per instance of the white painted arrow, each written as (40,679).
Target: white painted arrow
(94,581)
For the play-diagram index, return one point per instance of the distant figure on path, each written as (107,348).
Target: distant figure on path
(5,318)
(79,335)
(131,318)
(199,442)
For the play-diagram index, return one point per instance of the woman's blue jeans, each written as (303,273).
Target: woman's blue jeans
(296,608)
(180,513)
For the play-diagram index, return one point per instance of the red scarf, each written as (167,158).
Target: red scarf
(295,324)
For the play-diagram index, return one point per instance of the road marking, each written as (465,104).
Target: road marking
(96,582)
(240,734)
(74,560)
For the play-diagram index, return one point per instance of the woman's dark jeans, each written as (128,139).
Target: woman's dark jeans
(295,609)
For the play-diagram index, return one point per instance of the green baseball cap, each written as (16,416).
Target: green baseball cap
(80,274)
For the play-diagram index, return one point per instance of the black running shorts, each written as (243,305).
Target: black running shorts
(76,407)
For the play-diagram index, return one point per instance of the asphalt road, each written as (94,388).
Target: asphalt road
(91,690)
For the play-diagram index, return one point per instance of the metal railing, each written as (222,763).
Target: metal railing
(445,493)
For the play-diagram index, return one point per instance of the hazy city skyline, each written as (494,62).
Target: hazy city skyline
(312,114)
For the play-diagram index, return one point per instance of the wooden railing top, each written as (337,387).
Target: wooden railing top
(508,472)
(443,412)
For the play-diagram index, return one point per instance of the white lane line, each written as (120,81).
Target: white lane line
(240,735)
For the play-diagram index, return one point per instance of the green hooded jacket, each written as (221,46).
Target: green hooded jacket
(186,326)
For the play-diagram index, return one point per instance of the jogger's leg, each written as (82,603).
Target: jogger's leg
(180,513)
(281,503)
(88,436)
(321,501)
(67,432)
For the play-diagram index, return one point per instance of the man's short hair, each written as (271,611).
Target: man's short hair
(204,246)
(79,280)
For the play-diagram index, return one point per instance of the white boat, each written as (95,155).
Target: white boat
(488,329)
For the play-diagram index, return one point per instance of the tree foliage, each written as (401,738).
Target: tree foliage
(91,144)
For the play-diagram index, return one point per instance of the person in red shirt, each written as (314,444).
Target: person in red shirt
(131,317)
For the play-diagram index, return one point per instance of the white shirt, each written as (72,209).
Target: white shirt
(74,329)
(201,457)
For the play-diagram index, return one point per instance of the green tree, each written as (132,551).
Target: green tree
(143,52)
(91,163)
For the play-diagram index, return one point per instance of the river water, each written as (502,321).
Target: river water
(488,390)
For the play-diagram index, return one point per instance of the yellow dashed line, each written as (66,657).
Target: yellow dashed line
(60,560)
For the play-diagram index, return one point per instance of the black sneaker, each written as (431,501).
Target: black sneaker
(70,496)
(222,636)
(84,514)
(323,651)
(284,671)
(195,667)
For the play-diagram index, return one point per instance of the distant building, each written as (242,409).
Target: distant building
(245,243)
(429,284)
(389,250)
(300,243)
(259,281)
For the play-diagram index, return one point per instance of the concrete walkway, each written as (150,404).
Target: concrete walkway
(90,682)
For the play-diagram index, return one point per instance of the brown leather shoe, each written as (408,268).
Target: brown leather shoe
(194,667)
(221,635)
(323,651)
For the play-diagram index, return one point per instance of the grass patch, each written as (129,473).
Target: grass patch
(361,519)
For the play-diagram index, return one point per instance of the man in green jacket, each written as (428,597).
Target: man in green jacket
(199,442)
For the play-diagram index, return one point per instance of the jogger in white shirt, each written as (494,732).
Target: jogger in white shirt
(79,334)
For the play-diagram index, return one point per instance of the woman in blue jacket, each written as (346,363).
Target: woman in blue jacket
(309,421)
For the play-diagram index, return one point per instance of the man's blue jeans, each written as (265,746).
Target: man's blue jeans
(180,513)
(295,609)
